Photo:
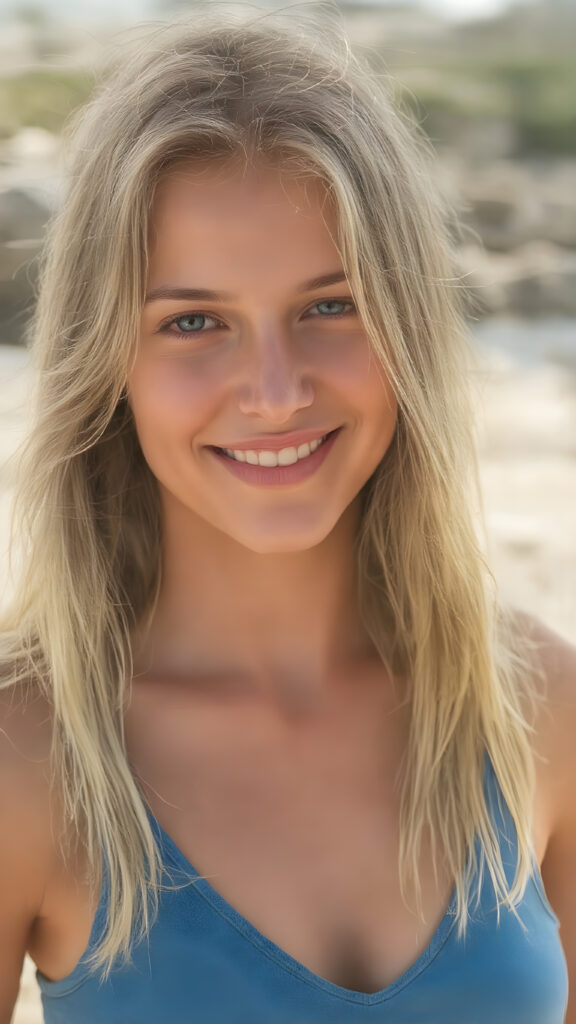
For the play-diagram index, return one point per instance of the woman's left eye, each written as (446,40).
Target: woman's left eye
(331,308)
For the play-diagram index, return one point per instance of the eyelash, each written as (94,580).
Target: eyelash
(166,325)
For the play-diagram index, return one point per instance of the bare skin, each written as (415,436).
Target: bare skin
(295,825)
(264,730)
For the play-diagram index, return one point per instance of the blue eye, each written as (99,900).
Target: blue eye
(332,308)
(191,323)
(200,323)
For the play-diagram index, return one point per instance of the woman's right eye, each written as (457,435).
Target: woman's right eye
(190,323)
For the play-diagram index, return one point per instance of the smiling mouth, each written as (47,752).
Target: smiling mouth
(267,458)
(290,472)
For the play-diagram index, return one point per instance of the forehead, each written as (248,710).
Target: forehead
(216,217)
(235,183)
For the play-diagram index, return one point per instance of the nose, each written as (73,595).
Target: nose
(275,383)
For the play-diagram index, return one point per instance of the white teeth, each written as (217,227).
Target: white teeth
(268,458)
(285,457)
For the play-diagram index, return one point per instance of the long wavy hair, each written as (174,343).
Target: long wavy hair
(285,87)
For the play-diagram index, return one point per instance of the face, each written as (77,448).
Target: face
(250,342)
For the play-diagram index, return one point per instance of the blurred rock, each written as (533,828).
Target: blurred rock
(543,290)
(558,222)
(23,218)
(518,241)
(535,279)
(508,204)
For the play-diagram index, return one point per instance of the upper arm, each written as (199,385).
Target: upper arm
(559,864)
(24,838)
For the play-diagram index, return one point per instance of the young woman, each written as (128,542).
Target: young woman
(270,750)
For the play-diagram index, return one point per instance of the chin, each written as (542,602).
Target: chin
(280,542)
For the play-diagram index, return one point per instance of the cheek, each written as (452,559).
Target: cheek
(385,416)
(168,395)
(358,374)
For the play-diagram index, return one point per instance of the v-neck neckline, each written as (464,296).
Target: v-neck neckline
(290,964)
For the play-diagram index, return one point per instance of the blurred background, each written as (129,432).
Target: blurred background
(493,86)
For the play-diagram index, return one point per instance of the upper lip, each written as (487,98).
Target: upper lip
(276,442)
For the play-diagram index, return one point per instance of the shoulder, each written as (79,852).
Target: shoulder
(558,724)
(555,748)
(33,821)
(25,737)
(550,660)
(554,661)
(25,744)
(25,830)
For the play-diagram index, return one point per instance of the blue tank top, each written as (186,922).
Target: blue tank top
(204,963)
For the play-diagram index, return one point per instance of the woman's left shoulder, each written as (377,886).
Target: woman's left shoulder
(555,747)
(550,660)
(554,720)
(555,665)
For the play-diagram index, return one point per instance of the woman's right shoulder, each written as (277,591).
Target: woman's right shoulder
(26,796)
(25,772)
(25,746)
(26,827)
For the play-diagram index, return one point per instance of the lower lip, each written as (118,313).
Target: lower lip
(275,476)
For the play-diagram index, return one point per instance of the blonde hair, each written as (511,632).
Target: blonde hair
(286,88)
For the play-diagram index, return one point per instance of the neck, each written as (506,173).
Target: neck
(281,619)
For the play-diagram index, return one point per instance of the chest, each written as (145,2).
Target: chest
(295,826)
(294,822)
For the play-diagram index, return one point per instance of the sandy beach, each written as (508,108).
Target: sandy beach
(527,431)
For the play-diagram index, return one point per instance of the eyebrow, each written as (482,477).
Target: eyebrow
(207,295)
